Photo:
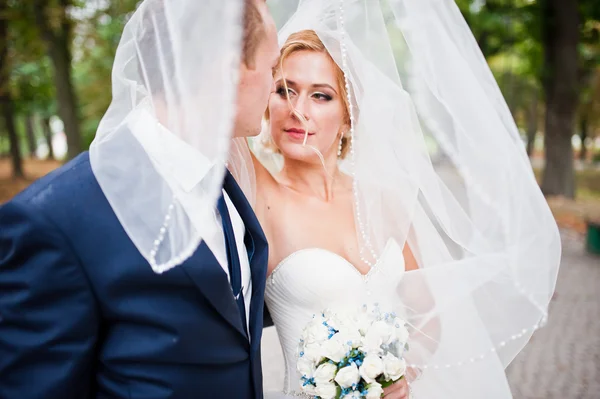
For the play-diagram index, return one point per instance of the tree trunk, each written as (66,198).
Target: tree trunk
(532,123)
(3,145)
(6,104)
(583,134)
(67,102)
(9,122)
(31,141)
(48,136)
(560,39)
(60,54)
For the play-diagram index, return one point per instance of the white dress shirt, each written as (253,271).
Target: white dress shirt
(184,166)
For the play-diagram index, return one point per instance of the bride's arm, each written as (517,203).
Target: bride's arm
(418,299)
(409,259)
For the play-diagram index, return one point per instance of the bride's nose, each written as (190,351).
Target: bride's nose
(300,107)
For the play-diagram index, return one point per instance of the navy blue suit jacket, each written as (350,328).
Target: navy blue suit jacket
(82,314)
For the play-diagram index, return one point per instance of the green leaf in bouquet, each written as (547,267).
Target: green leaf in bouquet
(338,391)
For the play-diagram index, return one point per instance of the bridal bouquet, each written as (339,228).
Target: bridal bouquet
(352,355)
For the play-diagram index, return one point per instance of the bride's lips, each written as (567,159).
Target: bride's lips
(297,133)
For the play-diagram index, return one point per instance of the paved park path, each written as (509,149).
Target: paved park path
(562,360)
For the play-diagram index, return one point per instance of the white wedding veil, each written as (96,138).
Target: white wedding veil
(438,164)
(158,148)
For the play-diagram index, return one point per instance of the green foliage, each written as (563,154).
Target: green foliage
(99,35)
(95,28)
(32,87)
(507,31)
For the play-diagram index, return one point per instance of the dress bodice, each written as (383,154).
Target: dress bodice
(313,279)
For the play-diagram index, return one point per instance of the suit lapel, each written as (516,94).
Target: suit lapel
(206,272)
(256,245)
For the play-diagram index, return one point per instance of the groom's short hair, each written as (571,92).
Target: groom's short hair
(254,32)
(153,22)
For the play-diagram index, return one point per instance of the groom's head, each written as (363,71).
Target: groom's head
(259,57)
(156,62)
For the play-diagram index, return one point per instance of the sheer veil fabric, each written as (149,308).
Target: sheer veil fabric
(437,163)
(174,82)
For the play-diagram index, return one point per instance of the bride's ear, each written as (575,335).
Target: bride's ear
(344,141)
(345,130)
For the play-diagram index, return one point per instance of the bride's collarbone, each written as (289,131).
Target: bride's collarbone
(294,224)
(314,224)
(307,207)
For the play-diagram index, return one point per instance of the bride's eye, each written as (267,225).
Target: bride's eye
(322,96)
(281,91)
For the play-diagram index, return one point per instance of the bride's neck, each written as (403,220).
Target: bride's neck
(311,179)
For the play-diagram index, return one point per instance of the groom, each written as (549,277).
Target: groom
(82,314)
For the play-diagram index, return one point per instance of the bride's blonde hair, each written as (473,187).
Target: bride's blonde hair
(308,40)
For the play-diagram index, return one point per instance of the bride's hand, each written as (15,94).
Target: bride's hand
(398,390)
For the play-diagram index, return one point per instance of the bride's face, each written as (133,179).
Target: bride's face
(314,93)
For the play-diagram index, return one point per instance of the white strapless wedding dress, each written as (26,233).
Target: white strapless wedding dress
(313,279)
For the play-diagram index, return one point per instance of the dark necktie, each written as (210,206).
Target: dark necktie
(233,259)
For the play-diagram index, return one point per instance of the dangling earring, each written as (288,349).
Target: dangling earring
(339,154)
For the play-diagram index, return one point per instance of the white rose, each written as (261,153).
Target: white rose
(363,322)
(393,368)
(371,368)
(332,320)
(350,336)
(374,391)
(353,395)
(315,331)
(326,390)
(372,343)
(345,319)
(348,376)
(325,373)
(334,349)
(383,330)
(313,352)
(305,367)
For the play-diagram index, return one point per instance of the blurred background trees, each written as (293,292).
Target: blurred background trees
(56,58)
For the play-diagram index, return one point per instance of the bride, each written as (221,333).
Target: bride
(390,171)
(306,209)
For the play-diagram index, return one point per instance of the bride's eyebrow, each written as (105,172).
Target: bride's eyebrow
(316,85)
(325,85)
